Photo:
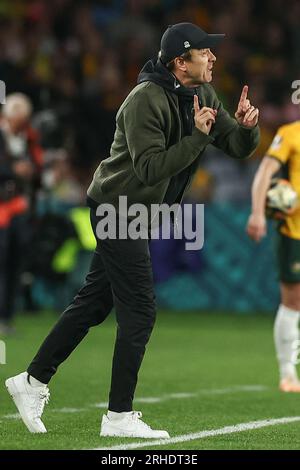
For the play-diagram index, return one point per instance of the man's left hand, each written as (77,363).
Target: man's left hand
(246,115)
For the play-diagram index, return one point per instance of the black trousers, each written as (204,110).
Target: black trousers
(120,276)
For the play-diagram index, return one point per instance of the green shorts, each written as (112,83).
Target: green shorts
(288,257)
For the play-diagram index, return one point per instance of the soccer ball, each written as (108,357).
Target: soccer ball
(281,198)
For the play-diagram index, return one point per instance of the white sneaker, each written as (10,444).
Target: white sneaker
(30,400)
(130,426)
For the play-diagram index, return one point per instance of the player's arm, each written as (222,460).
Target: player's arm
(256,227)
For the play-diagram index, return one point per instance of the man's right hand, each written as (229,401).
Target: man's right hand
(204,117)
(257,227)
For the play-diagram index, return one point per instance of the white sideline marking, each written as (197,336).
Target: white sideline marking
(68,410)
(176,396)
(148,399)
(12,416)
(103,404)
(202,434)
(212,391)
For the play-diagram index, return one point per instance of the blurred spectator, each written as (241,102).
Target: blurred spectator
(77,60)
(20,170)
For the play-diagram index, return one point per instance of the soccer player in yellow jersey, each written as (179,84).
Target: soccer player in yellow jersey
(284,153)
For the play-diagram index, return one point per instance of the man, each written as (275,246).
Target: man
(156,150)
(20,168)
(284,152)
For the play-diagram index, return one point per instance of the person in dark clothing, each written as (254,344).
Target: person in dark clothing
(162,128)
(20,168)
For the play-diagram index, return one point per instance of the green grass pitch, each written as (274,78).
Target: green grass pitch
(210,357)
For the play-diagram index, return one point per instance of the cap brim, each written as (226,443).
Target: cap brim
(211,40)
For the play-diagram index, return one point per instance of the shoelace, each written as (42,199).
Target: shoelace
(136,415)
(42,400)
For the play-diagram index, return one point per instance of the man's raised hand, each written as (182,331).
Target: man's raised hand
(246,114)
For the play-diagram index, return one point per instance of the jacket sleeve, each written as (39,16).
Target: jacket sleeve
(144,127)
(235,140)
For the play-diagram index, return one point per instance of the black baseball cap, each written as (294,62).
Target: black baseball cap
(181,37)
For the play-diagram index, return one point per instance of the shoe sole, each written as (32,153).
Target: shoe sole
(14,393)
(120,433)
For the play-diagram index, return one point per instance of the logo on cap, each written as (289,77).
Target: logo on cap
(186,44)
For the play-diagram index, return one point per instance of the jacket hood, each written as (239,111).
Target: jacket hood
(155,71)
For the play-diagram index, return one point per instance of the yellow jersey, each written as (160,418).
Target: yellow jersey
(286,149)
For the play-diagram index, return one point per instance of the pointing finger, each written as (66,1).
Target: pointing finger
(244,94)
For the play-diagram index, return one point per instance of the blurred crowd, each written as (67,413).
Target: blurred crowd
(69,64)
(77,60)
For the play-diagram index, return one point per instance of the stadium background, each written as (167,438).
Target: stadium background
(77,60)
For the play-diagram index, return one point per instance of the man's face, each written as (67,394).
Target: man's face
(199,68)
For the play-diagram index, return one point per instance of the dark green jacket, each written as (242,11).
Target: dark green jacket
(148,147)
